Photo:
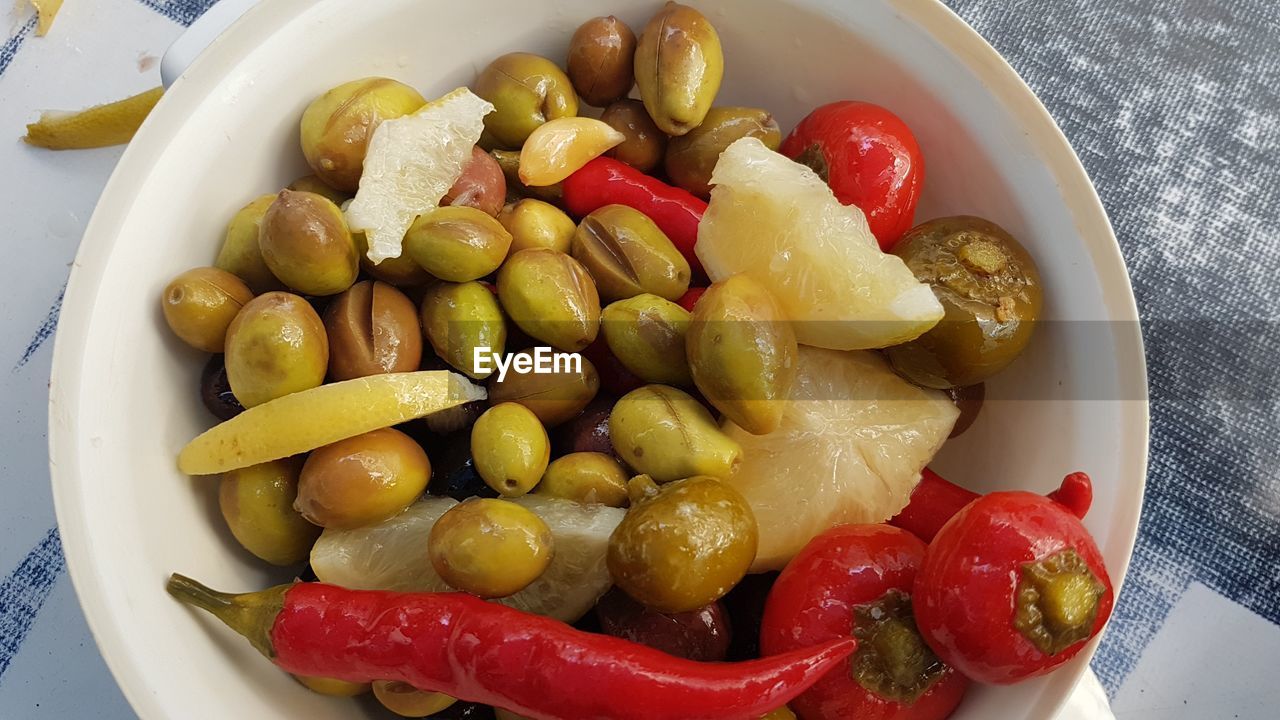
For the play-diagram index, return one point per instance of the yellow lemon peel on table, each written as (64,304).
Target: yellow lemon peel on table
(411,163)
(46,11)
(101,126)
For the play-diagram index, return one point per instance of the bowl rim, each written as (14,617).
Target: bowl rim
(115,204)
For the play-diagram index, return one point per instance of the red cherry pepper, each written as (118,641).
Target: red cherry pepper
(478,651)
(1012,587)
(605,181)
(690,298)
(869,158)
(936,500)
(858,578)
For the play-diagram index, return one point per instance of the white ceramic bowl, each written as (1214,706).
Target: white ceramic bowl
(123,394)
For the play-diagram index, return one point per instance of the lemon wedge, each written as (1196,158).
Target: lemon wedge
(46,10)
(412,161)
(111,124)
(776,221)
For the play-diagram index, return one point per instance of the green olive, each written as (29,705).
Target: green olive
(461,318)
(647,334)
(586,477)
(691,158)
(200,304)
(645,145)
(555,397)
(627,255)
(679,66)
(457,244)
(666,434)
(257,503)
(489,547)
(332,686)
(601,59)
(684,546)
(550,296)
(526,91)
(510,448)
(336,126)
(305,241)
(373,329)
(408,701)
(742,353)
(990,288)
(362,480)
(240,254)
(537,224)
(403,271)
(313,184)
(509,161)
(275,346)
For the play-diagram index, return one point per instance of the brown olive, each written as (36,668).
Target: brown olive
(336,126)
(526,91)
(305,241)
(646,145)
(277,345)
(628,255)
(684,546)
(551,297)
(679,66)
(240,254)
(373,329)
(489,547)
(601,58)
(537,224)
(257,503)
(702,635)
(647,334)
(586,477)
(313,184)
(481,184)
(200,304)
(408,701)
(460,319)
(457,244)
(969,399)
(588,432)
(362,480)
(403,271)
(691,157)
(554,397)
(990,288)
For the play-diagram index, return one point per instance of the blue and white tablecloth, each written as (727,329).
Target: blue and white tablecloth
(1174,107)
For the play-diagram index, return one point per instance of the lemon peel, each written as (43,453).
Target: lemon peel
(110,124)
(46,11)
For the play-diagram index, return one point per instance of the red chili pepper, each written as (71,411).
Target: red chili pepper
(690,298)
(605,181)
(869,158)
(857,579)
(1012,587)
(936,500)
(483,652)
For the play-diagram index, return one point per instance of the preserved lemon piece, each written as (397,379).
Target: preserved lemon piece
(100,126)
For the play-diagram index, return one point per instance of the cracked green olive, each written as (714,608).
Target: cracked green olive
(200,304)
(362,480)
(555,397)
(313,184)
(257,503)
(305,241)
(647,335)
(628,255)
(526,91)
(457,244)
(645,145)
(691,157)
(458,318)
(990,288)
(550,296)
(537,224)
(679,66)
(373,329)
(336,126)
(742,353)
(601,60)
(585,477)
(666,434)
(240,254)
(490,547)
(275,346)
(683,546)
(510,448)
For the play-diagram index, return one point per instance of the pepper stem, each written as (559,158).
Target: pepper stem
(250,614)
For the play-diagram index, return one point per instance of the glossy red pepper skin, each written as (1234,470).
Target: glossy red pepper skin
(531,665)
(605,181)
(870,159)
(813,601)
(935,500)
(965,594)
(690,298)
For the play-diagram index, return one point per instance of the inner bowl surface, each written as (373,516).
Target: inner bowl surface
(124,391)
